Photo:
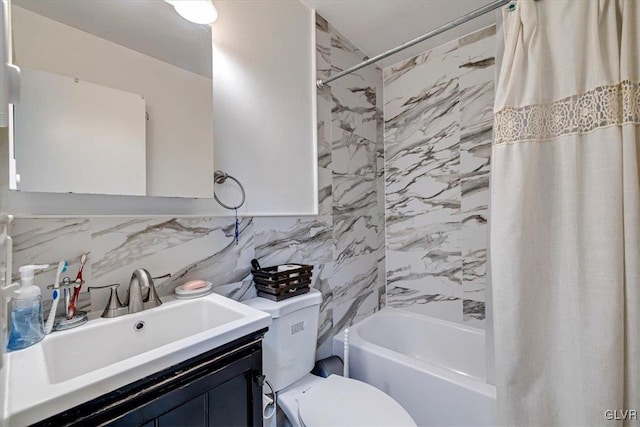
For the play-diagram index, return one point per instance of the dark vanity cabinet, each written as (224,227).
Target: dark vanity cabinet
(219,388)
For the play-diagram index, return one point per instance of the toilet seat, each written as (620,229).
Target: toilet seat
(339,401)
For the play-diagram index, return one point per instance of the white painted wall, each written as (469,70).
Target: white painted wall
(264,104)
(179,130)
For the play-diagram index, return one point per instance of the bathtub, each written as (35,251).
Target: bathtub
(435,369)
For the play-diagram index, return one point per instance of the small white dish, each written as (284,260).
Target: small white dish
(194,293)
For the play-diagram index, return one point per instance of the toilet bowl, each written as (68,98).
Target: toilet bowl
(289,349)
(338,401)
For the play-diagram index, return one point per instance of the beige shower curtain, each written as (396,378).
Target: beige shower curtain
(565,220)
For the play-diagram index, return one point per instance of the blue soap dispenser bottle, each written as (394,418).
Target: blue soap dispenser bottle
(26,325)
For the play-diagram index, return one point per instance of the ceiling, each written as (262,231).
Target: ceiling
(376,26)
(151,27)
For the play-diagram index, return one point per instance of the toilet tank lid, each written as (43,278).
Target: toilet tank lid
(289,305)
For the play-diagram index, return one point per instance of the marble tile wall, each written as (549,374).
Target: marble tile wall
(437,143)
(345,242)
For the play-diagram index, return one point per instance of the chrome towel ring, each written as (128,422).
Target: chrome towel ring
(220,177)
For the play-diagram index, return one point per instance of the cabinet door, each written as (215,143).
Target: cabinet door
(216,388)
(228,403)
(226,397)
(192,414)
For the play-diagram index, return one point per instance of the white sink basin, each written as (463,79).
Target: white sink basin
(113,340)
(71,367)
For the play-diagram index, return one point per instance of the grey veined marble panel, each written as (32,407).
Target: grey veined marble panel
(418,94)
(477,73)
(49,241)
(324,130)
(307,240)
(228,263)
(354,194)
(323,48)
(438,124)
(429,304)
(187,248)
(355,283)
(355,235)
(422,138)
(123,243)
(325,192)
(324,101)
(321,276)
(353,155)
(353,96)
(422,180)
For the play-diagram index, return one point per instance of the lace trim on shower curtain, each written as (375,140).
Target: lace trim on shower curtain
(603,106)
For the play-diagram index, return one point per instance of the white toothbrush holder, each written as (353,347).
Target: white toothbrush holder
(62,322)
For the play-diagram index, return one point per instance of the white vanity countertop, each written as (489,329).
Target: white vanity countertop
(37,389)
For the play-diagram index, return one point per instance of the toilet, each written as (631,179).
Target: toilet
(307,400)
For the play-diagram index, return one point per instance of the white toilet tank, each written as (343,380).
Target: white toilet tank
(289,347)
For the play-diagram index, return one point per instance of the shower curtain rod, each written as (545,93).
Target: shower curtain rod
(458,21)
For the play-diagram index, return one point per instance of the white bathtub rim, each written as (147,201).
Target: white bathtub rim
(424,317)
(447,374)
(466,381)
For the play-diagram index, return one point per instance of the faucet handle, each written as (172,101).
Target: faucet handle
(144,281)
(112,286)
(114,301)
(153,300)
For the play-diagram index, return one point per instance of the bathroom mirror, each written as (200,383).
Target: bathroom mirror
(265,104)
(116,98)
(143,120)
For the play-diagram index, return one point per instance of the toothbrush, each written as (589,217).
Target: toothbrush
(83,261)
(62,267)
(76,288)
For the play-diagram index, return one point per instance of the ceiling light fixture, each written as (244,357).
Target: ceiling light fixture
(198,11)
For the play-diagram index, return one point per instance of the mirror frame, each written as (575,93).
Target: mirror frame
(34,204)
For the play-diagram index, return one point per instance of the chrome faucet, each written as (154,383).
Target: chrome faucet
(141,281)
